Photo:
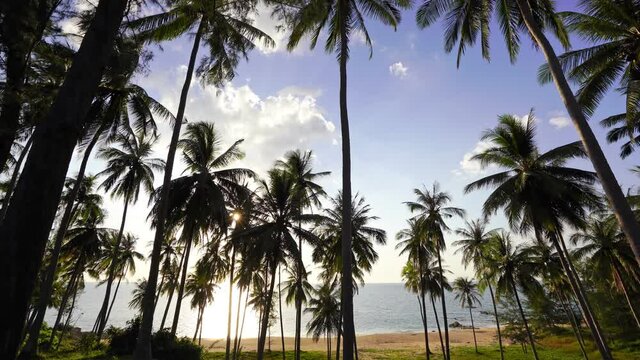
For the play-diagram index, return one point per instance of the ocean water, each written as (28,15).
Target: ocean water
(378,308)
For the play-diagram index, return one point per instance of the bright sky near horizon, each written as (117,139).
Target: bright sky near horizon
(415,118)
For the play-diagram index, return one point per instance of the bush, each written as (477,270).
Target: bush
(123,341)
(181,348)
(87,342)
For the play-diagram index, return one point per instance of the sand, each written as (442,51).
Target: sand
(395,341)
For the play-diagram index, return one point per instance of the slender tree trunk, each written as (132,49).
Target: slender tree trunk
(173,288)
(280,310)
(77,272)
(200,334)
(339,338)
(614,194)
(159,291)
(298,300)
(198,319)
(347,282)
(626,294)
(235,337)
(66,323)
(495,312)
(53,143)
(231,270)
(524,320)
(115,294)
(444,309)
(14,177)
(424,320)
(265,316)
(183,280)
(46,286)
(328,342)
(112,273)
(435,315)
(578,290)
(475,341)
(244,316)
(574,325)
(143,345)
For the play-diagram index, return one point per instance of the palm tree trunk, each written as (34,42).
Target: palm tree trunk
(46,286)
(574,325)
(298,300)
(612,189)
(265,316)
(66,323)
(235,337)
(580,294)
(159,290)
(183,280)
(112,273)
(173,288)
(200,334)
(347,282)
(14,177)
(328,342)
(115,294)
(424,319)
(495,312)
(339,338)
(444,309)
(198,319)
(77,272)
(524,320)
(53,144)
(435,315)
(236,352)
(143,345)
(355,344)
(475,341)
(280,310)
(626,293)
(231,270)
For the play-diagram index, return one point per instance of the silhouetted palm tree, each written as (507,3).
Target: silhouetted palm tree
(467,293)
(324,307)
(200,286)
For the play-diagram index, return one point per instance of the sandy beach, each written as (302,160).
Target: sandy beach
(395,341)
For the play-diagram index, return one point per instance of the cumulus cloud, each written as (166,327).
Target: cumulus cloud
(398,69)
(468,165)
(559,121)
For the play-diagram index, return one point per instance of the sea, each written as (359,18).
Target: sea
(378,308)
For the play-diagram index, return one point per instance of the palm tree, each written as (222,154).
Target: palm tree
(611,25)
(539,192)
(271,240)
(467,293)
(436,283)
(198,201)
(608,255)
(225,28)
(299,165)
(432,210)
(137,295)
(413,241)
(201,287)
(474,247)
(468,20)
(128,168)
(513,270)
(324,307)
(341,18)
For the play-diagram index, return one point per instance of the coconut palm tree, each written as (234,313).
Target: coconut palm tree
(324,307)
(271,240)
(129,167)
(473,246)
(201,287)
(539,192)
(513,271)
(432,209)
(340,19)
(198,201)
(608,255)
(299,165)
(466,20)
(137,295)
(466,291)
(225,28)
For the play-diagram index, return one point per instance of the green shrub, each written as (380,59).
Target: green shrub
(123,341)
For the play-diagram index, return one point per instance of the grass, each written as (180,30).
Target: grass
(551,347)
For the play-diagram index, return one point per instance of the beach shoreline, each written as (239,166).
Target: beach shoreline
(382,341)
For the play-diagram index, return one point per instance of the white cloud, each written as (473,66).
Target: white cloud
(398,69)
(469,166)
(559,121)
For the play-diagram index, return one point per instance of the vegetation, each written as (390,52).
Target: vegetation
(220,221)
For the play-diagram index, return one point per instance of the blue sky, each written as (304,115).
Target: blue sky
(414,116)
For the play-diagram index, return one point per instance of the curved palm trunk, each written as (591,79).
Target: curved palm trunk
(49,157)
(347,285)
(231,270)
(173,288)
(444,309)
(265,316)
(524,320)
(46,286)
(495,312)
(435,315)
(280,315)
(77,272)
(183,280)
(115,294)
(612,189)
(66,323)
(158,291)
(235,338)
(236,352)
(14,177)
(574,324)
(475,341)
(580,294)
(143,345)
(626,293)
(424,324)
(112,273)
